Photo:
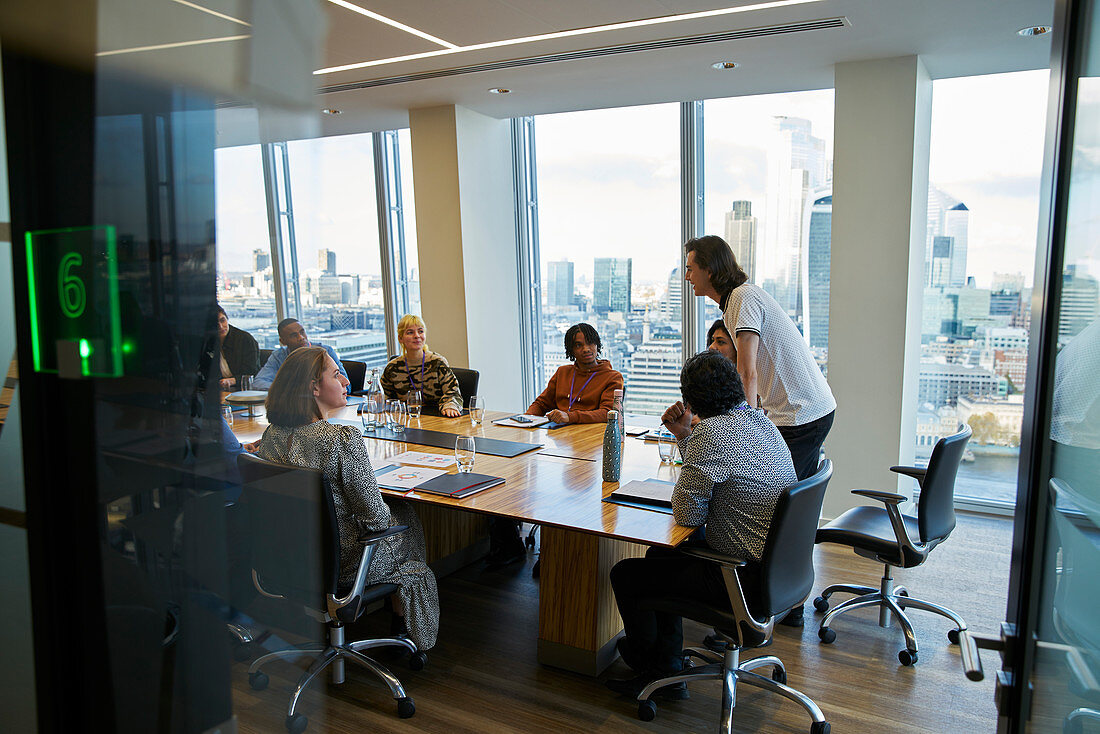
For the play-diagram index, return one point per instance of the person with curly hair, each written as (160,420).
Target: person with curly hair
(581,392)
(736,465)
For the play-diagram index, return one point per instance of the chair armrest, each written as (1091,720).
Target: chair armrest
(711,555)
(888,498)
(368,538)
(915,472)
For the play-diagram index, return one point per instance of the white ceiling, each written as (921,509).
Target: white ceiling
(954,38)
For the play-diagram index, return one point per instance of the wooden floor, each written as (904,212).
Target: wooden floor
(482,676)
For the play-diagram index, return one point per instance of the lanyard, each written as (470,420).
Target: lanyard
(423,359)
(572,382)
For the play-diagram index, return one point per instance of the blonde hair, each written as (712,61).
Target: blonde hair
(411,319)
(290,401)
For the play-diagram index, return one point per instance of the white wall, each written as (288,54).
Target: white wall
(880,189)
(465,230)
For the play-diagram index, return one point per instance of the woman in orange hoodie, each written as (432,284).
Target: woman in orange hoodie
(584,391)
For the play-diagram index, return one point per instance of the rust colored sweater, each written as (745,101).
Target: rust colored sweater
(592,398)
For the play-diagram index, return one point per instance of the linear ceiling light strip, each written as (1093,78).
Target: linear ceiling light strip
(568,33)
(391,22)
(179,44)
(215,13)
(812,25)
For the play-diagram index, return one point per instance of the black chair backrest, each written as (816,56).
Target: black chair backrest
(265,354)
(936,506)
(467,382)
(357,373)
(787,565)
(292,519)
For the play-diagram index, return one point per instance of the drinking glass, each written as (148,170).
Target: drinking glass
(465,451)
(376,409)
(415,402)
(477,409)
(244,383)
(227,413)
(398,416)
(367,416)
(667,451)
(389,410)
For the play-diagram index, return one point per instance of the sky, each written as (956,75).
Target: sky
(608,180)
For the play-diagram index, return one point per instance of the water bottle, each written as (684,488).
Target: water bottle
(612,448)
(618,408)
(375,404)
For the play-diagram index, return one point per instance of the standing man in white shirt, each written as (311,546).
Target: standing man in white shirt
(775,364)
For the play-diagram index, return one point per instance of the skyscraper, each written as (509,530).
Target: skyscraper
(943,249)
(1080,303)
(819,238)
(796,167)
(559,283)
(611,284)
(947,217)
(741,236)
(326,262)
(261,259)
(956,226)
(672,306)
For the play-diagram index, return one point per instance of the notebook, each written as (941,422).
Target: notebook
(459,485)
(646,492)
(522,421)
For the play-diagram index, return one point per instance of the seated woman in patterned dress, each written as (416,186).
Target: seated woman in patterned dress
(418,368)
(309,385)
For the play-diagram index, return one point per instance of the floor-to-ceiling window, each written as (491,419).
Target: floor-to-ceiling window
(246,289)
(983,199)
(768,164)
(609,242)
(336,233)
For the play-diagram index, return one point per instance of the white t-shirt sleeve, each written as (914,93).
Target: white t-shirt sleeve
(744,312)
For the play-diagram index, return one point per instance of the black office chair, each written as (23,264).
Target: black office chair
(785,579)
(357,375)
(885,535)
(265,354)
(296,557)
(467,382)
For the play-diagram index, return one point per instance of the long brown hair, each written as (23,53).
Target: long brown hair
(715,256)
(290,401)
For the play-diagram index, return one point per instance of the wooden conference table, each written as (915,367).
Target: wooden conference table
(558,486)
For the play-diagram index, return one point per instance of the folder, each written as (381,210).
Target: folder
(459,485)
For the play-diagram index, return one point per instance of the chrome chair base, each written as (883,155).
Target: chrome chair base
(334,655)
(728,669)
(892,601)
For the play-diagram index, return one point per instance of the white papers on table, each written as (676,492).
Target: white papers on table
(405,477)
(524,421)
(423,458)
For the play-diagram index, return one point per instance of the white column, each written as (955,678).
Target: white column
(880,201)
(465,233)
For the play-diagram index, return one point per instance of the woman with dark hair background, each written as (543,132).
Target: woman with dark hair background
(240,354)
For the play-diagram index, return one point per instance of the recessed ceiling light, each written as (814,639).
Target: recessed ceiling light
(767,5)
(330,111)
(499,90)
(1034,30)
(724,65)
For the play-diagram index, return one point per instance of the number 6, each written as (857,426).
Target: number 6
(70,288)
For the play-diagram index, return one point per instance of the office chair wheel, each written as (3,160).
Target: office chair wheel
(258,680)
(821,604)
(647,710)
(296,724)
(953,636)
(779,676)
(405,707)
(820,727)
(418,660)
(907,657)
(826,635)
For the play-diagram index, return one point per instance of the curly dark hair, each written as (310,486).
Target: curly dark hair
(590,336)
(710,384)
(715,256)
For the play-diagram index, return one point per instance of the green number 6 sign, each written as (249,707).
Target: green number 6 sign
(70,288)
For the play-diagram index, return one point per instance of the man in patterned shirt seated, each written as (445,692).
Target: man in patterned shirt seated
(736,464)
